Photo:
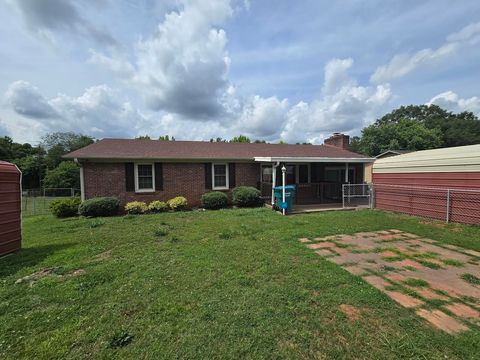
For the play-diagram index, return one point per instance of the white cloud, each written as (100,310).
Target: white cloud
(98,111)
(182,68)
(26,100)
(343,106)
(403,64)
(263,117)
(451,101)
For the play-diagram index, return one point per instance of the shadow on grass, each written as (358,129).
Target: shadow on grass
(27,257)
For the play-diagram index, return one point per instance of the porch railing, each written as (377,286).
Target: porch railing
(310,193)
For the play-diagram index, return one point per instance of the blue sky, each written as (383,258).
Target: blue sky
(296,71)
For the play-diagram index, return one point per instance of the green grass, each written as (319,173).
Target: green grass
(452,262)
(470,278)
(223,284)
(416,282)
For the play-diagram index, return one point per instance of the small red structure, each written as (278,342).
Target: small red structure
(10,208)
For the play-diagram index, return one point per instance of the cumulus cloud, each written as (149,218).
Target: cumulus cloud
(403,64)
(49,18)
(98,111)
(343,106)
(182,68)
(26,100)
(451,101)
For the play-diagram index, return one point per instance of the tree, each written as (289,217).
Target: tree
(61,143)
(258,141)
(240,139)
(405,134)
(143,137)
(10,150)
(418,127)
(218,139)
(33,170)
(166,138)
(65,175)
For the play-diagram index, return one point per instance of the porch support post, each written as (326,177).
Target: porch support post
(274,180)
(346,173)
(284,169)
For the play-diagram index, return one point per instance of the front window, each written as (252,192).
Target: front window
(220,176)
(144,178)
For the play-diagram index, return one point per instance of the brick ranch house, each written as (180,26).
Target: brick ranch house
(147,170)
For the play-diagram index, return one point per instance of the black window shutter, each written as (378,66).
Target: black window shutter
(208,175)
(231,175)
(129,177)
(158,177)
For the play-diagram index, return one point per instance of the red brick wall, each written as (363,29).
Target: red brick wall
(179,179)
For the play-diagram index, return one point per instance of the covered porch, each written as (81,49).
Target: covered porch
(318,181)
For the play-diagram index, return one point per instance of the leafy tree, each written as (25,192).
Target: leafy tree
(405,134)
(240,139)
(33,170)
(61,143)
(10,150)
(65,175)
(143,137)
(430,122)
(166,138)
(218,139)
(258,141)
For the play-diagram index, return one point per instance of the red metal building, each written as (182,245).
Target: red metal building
(10,208)
(442,184)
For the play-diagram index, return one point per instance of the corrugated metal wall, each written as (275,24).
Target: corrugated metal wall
(10,208)
(417,183)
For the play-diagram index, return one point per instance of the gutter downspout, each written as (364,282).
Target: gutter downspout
(274,178)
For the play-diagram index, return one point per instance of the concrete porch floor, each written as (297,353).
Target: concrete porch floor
(302,209)
(311,208)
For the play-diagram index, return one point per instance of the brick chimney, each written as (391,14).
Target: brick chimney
(339,140)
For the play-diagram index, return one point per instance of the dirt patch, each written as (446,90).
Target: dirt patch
(102,256)
(351,312)
(37,276)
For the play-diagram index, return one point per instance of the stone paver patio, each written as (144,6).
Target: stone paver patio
(440,282)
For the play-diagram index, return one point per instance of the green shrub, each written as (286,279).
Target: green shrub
(100,206)
(177,203)
(157,206)
(214,200)
(136,207)
(63,208)
(246,196)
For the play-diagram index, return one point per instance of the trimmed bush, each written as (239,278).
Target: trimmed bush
(63,208)
(246,196)
(177,203)
(100,206)
(157,206)
(136,207)
(214,200)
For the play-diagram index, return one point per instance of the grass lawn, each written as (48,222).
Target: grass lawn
(214,285)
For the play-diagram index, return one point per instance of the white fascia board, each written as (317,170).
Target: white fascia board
(315,159)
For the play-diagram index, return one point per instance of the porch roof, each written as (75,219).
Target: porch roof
(302,159)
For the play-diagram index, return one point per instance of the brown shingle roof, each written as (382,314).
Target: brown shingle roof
(154,149)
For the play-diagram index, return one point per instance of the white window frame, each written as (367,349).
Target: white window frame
(136,178)
(227,183)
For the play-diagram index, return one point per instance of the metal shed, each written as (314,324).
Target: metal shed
(10,208)
(442,183)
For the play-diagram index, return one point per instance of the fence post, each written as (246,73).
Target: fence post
(343,196)
(448,206)
(71,192)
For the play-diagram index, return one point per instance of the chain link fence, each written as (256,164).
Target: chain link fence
(37,201)
(448,204)
(357,195)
